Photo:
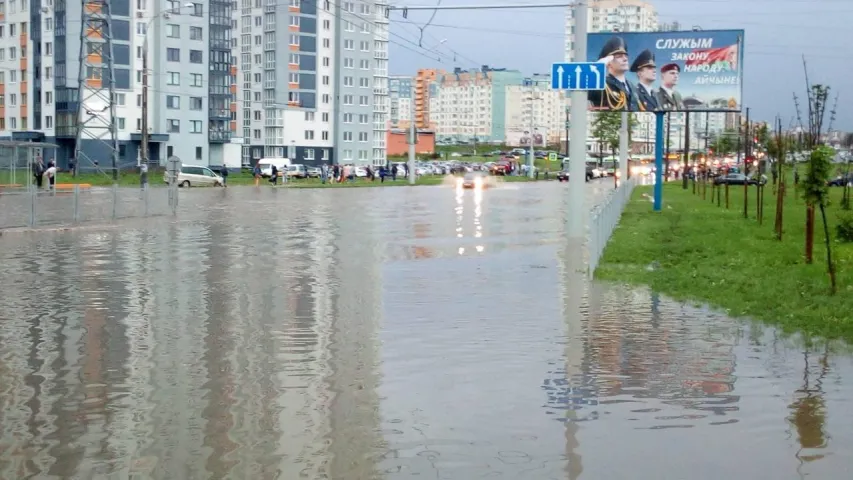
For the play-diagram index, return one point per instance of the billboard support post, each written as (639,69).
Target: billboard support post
(623,146)
(577,140)
(658,161)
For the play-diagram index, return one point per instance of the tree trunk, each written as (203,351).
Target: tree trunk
(746,200)
(780,205)
(809,233)
(829,265)
(727,196)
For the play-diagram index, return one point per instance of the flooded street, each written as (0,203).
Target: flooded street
(386,333)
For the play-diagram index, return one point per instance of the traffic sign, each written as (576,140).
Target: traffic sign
(552,156)
(578,76)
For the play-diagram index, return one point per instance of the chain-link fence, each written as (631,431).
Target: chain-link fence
(40,208)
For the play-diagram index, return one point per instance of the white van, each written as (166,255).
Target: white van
(196,176)
(266,164)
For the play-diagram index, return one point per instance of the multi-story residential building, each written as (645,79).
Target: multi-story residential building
(401,100)
(424,80)
(612,15)
(189,76)
(535,106)
(334,105)
(473,103)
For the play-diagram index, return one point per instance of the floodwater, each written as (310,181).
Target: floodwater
(386,334)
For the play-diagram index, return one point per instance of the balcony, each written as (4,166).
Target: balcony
(380,55)
(219,113)
(380,91)
(219,136)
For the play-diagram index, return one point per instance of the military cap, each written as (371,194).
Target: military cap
(612,47)
(645,59)
(670,66)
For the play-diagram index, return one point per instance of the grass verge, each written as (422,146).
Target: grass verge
(711,254)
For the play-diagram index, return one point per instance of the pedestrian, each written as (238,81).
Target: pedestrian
(224,173)
(38,172)
(393,172)
(382,173)
(256,172)
(323,173)
(143,176)
(50,173)
(274,176)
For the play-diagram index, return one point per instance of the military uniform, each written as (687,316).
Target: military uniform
(646,100)
(665,100)
(617,95)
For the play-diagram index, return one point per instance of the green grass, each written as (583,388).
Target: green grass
(709,254)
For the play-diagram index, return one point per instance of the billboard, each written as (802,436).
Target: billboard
(671,71)
(521,137)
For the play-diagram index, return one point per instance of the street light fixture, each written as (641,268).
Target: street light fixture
(143,149)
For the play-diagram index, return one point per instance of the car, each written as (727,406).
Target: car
(314,172)
(196,175)
(841,181)
(473,180)
(563,176)
(738,179)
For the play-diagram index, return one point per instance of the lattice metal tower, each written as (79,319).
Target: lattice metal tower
(97,139)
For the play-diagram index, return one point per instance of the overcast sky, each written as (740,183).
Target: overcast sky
(778,33)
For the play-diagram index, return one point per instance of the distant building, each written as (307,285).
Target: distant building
(401,100)
(612,15)
(472,104)
(398,145)
(535,106)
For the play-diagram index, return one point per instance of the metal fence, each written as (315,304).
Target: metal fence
(21,208)
(604,218)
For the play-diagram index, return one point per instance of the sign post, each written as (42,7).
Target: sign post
(173,168)
(659,168)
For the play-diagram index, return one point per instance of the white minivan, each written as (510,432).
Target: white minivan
(265,164)
(196,176)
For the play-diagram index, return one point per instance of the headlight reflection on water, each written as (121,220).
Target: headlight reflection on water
(478,212)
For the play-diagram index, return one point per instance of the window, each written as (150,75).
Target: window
(173,78)
(362,119)
(309,116)
(347,81)
(364,82)
(195,103)
(362,154)
(196,33)
(198,10)
(173,55)
(327,43)
(195,126)
(362,100)
(327,24)
(325,135)
(347,99)
(309,154)
(48,48)
(173,126)
(325,79)
(121,123)
(198,153)
(347,136)
(173,101)
(293,77)
(349,63)
(326,61)
(365,27)
(196,56)
(350,27)
(364,64)
(173,31)
(294,59)
(362,136)
(347,118)
(325,116)
(326,98)
(294,21)
(365,9)
(294,39)
(48,98)
(141,28)
(347,154)
(349,45)
(309,134)
(364,46)
(196,79)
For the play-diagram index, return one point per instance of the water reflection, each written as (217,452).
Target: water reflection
(334,334)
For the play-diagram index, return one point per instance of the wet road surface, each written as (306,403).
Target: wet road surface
(386,334)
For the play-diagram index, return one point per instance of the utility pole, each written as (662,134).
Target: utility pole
(686,146)
(96,110)
(143,146)
(668,132)
(623,128)
(746,144)
(577,143)
(567,131)
(413,139)
(530,152)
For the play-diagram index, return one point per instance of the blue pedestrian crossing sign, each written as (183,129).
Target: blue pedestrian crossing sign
(578,76)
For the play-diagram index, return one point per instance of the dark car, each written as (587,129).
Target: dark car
(563,176)
(841,181)
(738,179)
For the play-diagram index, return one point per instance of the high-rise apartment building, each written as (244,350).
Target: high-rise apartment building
(189,95)
(313,80)
(401,101)
(535,106)
(612,15)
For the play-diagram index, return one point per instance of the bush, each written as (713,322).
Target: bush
(844,229)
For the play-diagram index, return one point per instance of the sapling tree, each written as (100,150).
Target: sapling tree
(816,194)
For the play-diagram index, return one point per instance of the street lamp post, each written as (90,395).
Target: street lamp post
(143,148)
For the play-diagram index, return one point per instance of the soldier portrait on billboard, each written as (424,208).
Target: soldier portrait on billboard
(667,97)
(644,67)
(618,93)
